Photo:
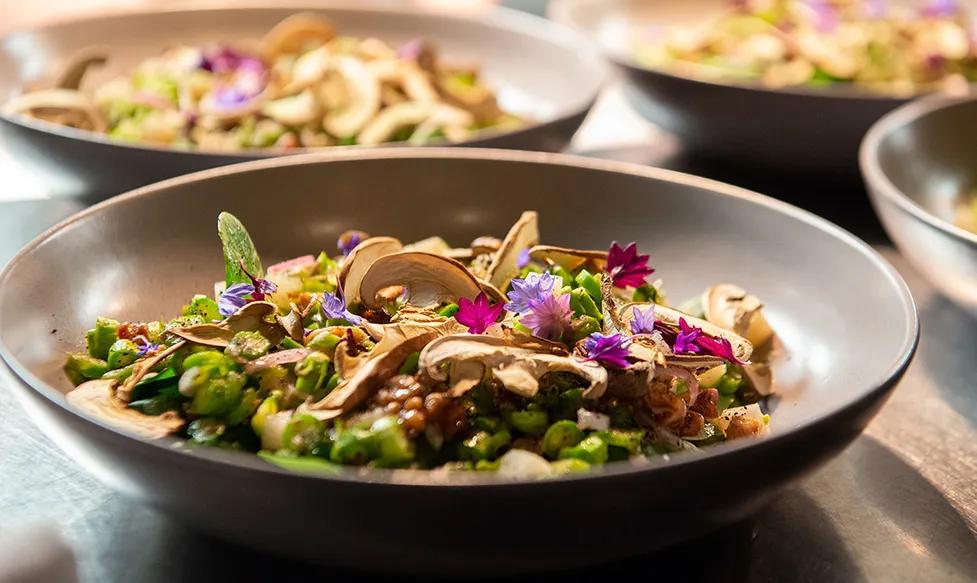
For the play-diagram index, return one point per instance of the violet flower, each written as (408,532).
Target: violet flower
(826,15)
(719,347)
(523,259)
(410,50)
(348,243)
(685,340)
(477,315)
(643,322)
(227,60)
(939,8)
(234,298)
(145,346)
(262,287)
(609,351)
(876,9)
(626,267)
(334,306)
(549,317)
(533,288)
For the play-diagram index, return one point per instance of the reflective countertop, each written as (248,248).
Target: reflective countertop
(899,505)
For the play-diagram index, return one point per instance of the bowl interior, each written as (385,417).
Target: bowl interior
(930,157)
(538,69)
(846,320)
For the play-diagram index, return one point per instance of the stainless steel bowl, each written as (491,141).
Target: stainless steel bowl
(794,130)
(541,70)
(917,162)
(846,318)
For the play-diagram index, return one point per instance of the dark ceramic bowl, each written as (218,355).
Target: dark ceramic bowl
(814,131)
(846,318)
(540,70)
(918,162)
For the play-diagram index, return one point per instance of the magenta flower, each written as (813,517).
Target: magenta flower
(227,60)
(523,259)
(410,50)
(939,8)
(826,15)
(334,306)
(685,340)
(643,322)
(549,317)
(626,267)
(533,288)
(607,350)
(234,298)
(477,315)
(719,347)
(262,287)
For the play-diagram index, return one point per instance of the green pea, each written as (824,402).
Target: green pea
(593,450)
(627,440)
(204,307)
(731,382)
(269,406)
(588,282)
(449,311)
(248,345)
(81,367)
(324,342)
(396,449)
(569,465)
(410,364)
(122,353)
(355,447)
(206,431)
(560,435)
(100,338)
(302,434)
(218,395)
(531,423)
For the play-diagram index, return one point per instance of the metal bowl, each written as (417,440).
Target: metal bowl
(539,69)
(813,131)
(917,162)
(846,318)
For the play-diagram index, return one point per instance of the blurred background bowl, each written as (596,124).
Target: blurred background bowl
(812,131)
(846,319)
(918,162)
(539,70)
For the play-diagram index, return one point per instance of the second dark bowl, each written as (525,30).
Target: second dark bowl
(538,69)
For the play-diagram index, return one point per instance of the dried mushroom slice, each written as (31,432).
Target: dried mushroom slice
(362,103)
(97,398)
(296,34)
(359,262)
(569,259)
(62,106)
(523,235)
(729,306)
(429,279)
(74,73)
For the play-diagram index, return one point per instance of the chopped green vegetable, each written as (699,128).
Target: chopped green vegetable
(302,434)
(588,282)
(531,423)
(569,466)
(560,435)
(204,307)
(396,450)
(269,406)
(248,345)
(410,364)
(122,353)
(593,450)
(100,338)
(449,311)
(81,367)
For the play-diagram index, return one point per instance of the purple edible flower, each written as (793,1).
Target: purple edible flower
(607,350)
(334,306)
(234,298)
(549,317)
(262,287)
(477,315)
(626,267)
(643,322)
(533,288)
(826,15)
(939,8)
(875,9)
(227,60)
(145,346)
(346,245)
(719,347)
(523,259)
(685,340)
(411,50)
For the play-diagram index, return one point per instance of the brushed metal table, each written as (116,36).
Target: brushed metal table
(900,505)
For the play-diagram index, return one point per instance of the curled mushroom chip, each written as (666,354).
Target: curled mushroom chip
(729,306)
(97,399)
(74,73)
(429,280)
(362,103)
(359,261)
(569,259)
(296,34)
(523,235)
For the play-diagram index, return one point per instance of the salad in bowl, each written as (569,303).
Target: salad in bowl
(505,356)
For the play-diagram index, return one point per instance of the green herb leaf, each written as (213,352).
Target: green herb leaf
(238,249)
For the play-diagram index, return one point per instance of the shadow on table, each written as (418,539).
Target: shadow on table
(954,371)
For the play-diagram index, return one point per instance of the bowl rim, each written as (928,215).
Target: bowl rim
(872,391)
(878,181)
(560,11)
(489,16)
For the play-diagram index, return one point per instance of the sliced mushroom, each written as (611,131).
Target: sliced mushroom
(141,368)
(296,34)
(73,74)
(416,83)
(429,279)
(760,378)
(308,70)
(250,318)
(729,306)
(348,363)
(52,104)
(477,100)
(97,399)
(212,335)
(569,259)
(742,349)
(487,244)
(523,235)
(435,245)
(282,357)
(294,110)
(411,113)
(368,379)
(518,369)
(363,99)
(359,261)
(292,324)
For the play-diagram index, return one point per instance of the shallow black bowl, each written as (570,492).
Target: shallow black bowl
(540,70)
(846,318)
